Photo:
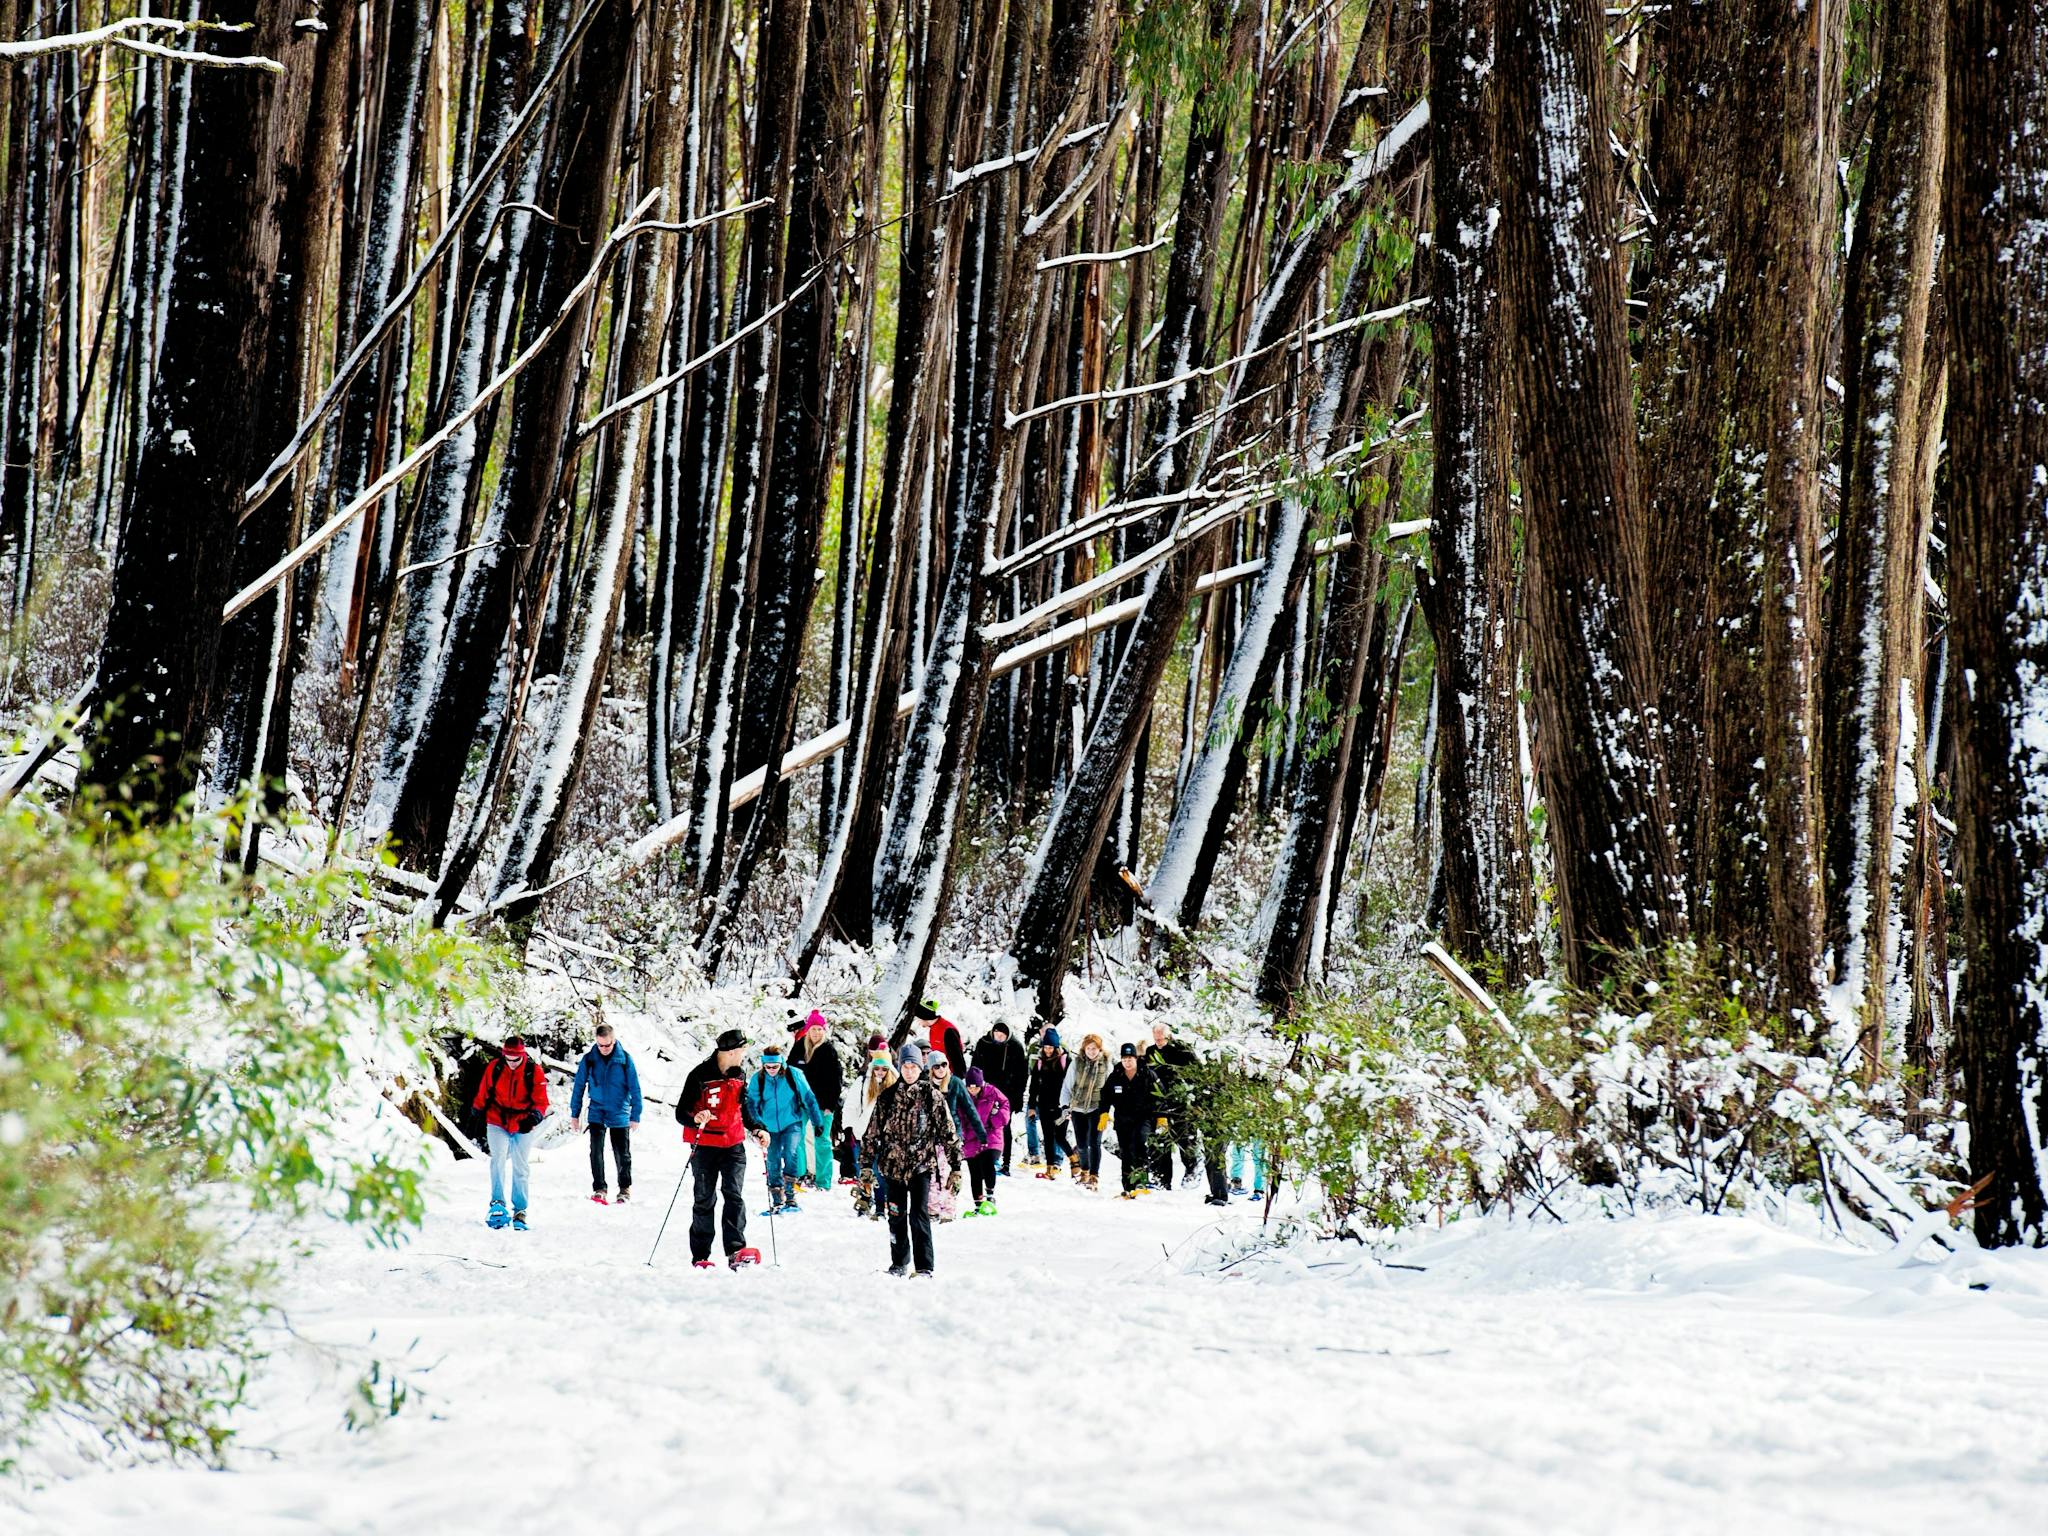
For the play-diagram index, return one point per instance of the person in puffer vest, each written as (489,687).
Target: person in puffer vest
(513,1097)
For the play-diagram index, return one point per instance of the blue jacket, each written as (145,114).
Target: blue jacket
(961,1102)
(782,1106)
(614,1086)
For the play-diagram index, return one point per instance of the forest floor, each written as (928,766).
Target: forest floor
(1080,1365)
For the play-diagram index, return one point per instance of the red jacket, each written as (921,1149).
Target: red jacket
(513,1093)
(945,1039)
(724,1098)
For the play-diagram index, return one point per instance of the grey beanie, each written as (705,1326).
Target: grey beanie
(910,1055)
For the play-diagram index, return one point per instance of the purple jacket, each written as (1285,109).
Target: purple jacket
(995,1114)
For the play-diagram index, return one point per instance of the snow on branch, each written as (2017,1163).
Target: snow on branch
(401,303)
(956,180)
(1082,258)
(318,540)
(1212,370)
(123,34)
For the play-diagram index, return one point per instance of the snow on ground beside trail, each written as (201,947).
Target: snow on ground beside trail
(1065,1373)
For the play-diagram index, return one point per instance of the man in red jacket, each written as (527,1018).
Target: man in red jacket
(513,1095)
(713,1110)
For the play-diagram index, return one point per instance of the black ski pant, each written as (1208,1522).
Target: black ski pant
(1130,1151)
(1006,1146)
(981,1173)
(1212,1164)
(718,1170)
(1179,1134)
(622,1154)
(910,1222)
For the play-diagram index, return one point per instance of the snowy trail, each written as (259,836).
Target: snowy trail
(1059,1377)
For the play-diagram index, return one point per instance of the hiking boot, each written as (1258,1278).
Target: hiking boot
(624,1196)
(519,1221)
(497,1221)
(899,1270)
(1052,1172)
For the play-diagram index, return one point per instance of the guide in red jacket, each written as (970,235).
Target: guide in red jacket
(513,1096)
(713,1110)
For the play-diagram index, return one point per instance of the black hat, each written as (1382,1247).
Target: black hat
(924,1010)
(1129,1049)
(999,1024)
(731,1040)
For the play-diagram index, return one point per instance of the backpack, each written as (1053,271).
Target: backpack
(497,1069)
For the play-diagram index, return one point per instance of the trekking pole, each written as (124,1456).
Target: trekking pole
(774,1251)
(665,1216)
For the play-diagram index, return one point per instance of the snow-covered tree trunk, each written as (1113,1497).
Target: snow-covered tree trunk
(157,694)
(1470,593)
(1995,272)
(489,276)
(1870,686)
(571,718)
(804,430)
(353,568)
(1584,585)
(526,504)
(1743,160)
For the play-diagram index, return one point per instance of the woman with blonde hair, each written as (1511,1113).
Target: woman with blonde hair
(1081,1098)
(868,1197)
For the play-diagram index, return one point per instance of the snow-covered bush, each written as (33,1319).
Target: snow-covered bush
(175,1044)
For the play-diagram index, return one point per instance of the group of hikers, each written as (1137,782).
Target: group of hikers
(899,1135)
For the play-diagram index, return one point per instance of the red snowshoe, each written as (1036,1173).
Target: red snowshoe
(745,1257)
(599,1199)
(702,1264)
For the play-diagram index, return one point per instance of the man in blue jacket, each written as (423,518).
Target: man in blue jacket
(781,1103)
(608,1075)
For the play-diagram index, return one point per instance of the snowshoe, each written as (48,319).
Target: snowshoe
(849,1183)
(899,1270)
(972,1211)
(498,1220)
(920,1274)
(791,1208)
(771,1209)
(986,1208)
(519,1221)
(745,1257)
(599,1198)
(1217,1200)
(1237,1186)
(624,1196)
(1129,1194)
(1051,1173)
(702,1264)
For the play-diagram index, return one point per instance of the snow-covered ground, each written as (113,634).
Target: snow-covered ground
(1079,1366)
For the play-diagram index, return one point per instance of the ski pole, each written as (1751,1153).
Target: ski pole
(665,1216)
(774,1250)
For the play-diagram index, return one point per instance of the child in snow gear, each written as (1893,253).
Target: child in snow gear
(944,1036)
(981,1144)
(909,1135)
(513,1097)
(814,1058)
(1044,1089)
(868,1197)
(713,1111)
(1081,1096)
(780,1105)
(1170,1063)
(1128,1096)
(607,1073)
(1003,1061)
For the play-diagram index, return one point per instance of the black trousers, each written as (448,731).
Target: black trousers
(717,1170)
(1212,1164)
(1180,1134)
(910,1222)
(1006,1146)
(1130,1151)
(622,1154)
(981,1172)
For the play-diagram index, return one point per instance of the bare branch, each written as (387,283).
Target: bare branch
(122,34)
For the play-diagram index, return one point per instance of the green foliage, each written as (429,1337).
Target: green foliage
(1170,54)
(173,1041)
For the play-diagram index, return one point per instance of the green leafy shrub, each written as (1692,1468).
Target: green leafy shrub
(176,1045)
